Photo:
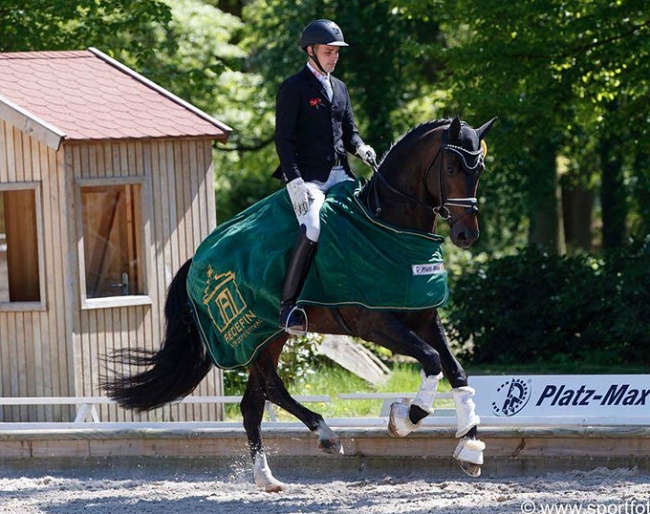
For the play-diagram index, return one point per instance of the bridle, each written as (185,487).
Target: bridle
(442,209)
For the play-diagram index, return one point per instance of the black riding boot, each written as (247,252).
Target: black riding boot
(293,319)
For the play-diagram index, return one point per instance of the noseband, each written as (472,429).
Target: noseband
(442,210)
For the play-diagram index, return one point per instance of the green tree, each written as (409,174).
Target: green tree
(123,28)
(557,73)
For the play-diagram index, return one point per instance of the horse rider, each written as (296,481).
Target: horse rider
(314,130)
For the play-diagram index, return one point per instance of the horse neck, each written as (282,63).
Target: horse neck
(406,172)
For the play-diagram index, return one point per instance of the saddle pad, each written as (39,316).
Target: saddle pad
(235,281)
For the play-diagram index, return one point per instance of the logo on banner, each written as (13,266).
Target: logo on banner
(511,397)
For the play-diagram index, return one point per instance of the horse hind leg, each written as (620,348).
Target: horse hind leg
(277,393)
(252,409)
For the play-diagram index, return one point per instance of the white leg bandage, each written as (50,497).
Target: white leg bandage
(466,417)
(427,392)
(399,423)
(263,476)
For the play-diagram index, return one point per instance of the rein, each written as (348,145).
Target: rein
(442,210)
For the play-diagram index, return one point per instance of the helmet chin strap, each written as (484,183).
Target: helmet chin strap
(314,58)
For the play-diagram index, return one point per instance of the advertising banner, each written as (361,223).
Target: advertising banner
(557,399)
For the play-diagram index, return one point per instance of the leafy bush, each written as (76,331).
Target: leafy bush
(299,359)
(533,307)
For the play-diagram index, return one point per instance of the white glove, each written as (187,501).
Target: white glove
(298,194)
(367,154)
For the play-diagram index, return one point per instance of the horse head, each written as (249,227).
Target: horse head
(461,153)
(432,171)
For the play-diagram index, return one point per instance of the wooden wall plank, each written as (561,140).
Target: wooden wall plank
(19,162)
(4,166)
(11,154)
(21,356)
(60,372)
(35,161)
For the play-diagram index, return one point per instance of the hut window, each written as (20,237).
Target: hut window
(19,260)
(112,240)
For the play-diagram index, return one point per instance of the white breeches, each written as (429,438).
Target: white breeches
(316,192)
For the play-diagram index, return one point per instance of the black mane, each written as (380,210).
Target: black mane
(408,137)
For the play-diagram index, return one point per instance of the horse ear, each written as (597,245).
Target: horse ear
(454,129)
(483,130)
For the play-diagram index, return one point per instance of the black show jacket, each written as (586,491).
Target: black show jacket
(312,134)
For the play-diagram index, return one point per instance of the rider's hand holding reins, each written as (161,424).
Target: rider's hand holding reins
(367,154)
(298,195)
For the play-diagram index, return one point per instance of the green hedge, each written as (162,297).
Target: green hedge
(535,308)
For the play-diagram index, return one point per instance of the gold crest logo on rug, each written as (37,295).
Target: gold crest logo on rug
(227,308)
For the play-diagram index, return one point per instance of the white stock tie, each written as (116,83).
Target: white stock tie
(328,88)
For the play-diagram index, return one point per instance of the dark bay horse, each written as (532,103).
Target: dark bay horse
(432,171)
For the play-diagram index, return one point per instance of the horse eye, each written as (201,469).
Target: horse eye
(450,170)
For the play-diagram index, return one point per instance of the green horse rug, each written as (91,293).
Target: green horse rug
(235,281)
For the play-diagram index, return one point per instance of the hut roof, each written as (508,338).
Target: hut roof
(86,95)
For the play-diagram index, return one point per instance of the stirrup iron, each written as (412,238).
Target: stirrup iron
(293,330)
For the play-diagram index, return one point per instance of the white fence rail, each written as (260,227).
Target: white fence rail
(531,400)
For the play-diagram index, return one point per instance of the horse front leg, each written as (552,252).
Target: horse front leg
(469,451)
(389,331)
(252,409)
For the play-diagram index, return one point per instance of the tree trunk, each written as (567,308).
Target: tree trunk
(612,193)
(577,212)
(642,193)
(545,214)
(234,7)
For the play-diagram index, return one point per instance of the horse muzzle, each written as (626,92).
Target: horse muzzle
(464,237)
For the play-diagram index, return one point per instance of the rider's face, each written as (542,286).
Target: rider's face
(327,55)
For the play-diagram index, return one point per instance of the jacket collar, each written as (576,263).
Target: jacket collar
(317,84)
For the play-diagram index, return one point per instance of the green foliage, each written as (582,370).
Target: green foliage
(300,359)
(536,308)
(123,28)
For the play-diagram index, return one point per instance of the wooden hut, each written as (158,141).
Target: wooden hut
(106,188)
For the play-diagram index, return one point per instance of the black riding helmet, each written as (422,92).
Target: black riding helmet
(321,32)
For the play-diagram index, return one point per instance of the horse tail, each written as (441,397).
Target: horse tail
(175,369)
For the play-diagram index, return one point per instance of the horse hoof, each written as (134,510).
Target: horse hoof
(469,454)
(270,484)
(275,488)
(469,468)
(331,446)
(263,477)
(399,423)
